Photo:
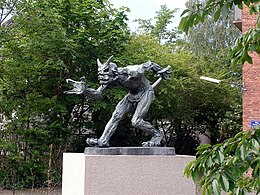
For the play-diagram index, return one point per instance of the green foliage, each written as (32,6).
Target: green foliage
(213,41)
(198,12)
(160,29)
(193,106)
(232,166)
(185,105)
(47,42)
(211,38)
(7,8)
(222,167)
(247,42)
(231,123)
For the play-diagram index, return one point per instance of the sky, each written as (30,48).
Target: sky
(146,9)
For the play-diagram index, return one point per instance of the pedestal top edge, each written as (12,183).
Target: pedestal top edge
(130,151)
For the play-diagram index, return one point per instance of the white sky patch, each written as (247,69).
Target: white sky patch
(146,9)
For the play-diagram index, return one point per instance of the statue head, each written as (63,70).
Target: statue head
(107,72)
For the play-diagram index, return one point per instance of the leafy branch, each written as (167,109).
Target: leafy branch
(249,41)
(232,166)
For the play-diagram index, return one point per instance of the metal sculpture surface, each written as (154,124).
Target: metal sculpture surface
(140,97)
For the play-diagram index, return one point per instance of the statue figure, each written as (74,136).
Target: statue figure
(140,97)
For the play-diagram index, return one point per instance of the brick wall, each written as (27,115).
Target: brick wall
(251,79)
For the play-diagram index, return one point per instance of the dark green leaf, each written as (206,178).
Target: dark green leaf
(224,183)
(216,15)
(184,12)
(183,23)
(215,187)
(255,145)
(220,156)
(242,152)
(195,176)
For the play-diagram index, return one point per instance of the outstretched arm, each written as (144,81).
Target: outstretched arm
(164,73)
(80,87)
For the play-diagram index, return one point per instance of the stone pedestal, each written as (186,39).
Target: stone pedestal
(125,174)
(130,151)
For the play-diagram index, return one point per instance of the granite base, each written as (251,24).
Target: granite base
(125,174)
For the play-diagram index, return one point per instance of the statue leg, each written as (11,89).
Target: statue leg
(122,107)
(138,120)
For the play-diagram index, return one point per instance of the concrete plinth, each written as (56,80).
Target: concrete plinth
(125,175)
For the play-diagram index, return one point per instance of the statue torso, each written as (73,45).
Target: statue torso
(132,79)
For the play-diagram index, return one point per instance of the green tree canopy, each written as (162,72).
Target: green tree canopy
(224,167)
(211,37)
(158,27)
(214,8)
(213,40)
(185,105)
(232,166)
(47,42)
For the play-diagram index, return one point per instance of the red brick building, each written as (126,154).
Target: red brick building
(251,77)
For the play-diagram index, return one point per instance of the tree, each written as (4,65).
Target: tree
(183,106)
(223,166)
(192,108)
(213,41)
(47,42)
(232,166)
(6,10)
(210,38)
(247,42)
(160,30)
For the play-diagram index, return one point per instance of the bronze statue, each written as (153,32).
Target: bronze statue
(140,97)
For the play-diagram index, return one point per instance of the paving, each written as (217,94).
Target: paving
(41,191)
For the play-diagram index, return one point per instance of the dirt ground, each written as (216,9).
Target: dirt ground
(42,191)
